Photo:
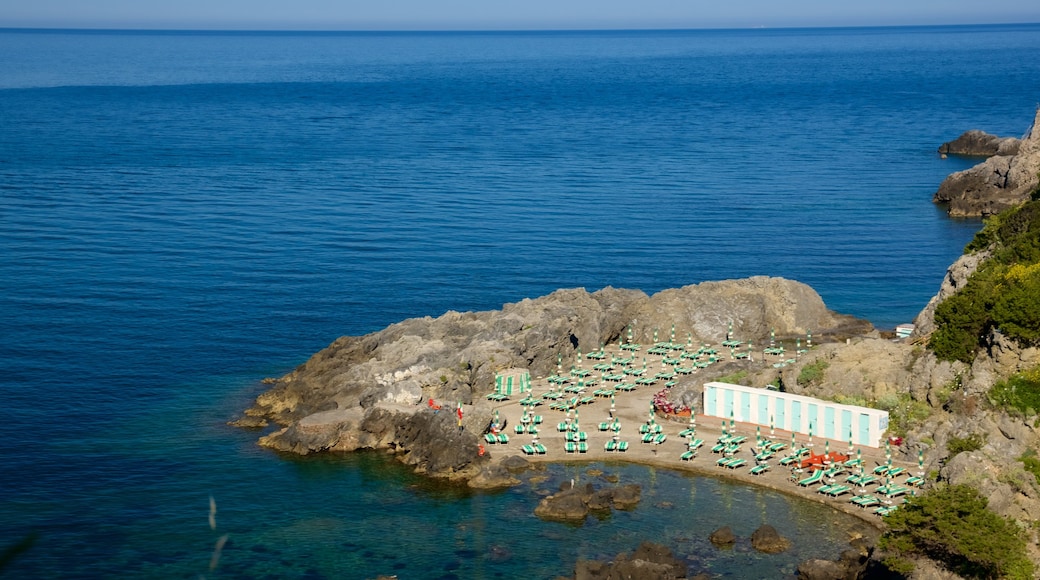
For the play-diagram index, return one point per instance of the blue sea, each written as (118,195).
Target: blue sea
(185,213)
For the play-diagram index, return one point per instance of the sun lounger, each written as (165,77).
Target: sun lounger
(622,445)
(893,472)
(648,438)
(610,446)
(914,481)
(837,489)
(528,449)
(520,429)
(503,438)
(491,439)
(583,447)
(881,469)
(696,443)
(540,449)
(561,427)
(788,460)
(885,510)
(777,447)
(864,501)
(570,447)
(724,461)
(764,456)
(816,477)
(578,436)
(718,448)
(497,397)
(760,469)
(660,438)
(646,381)
(738,462)
(605,426)
(687,456)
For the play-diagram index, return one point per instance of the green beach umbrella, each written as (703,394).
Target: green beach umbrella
(810,436)
(655,336)
(920,462)
(772,337)
(630,334)
(729,331)
(808,339)
(672,338)
(772,428)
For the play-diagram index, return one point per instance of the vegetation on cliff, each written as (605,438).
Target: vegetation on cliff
(951,524)
(1003,294)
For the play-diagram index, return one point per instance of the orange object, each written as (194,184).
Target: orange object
(480,449)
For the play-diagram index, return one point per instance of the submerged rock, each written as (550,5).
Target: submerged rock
(723,537)
(767,539)
(648,562)
(977,143)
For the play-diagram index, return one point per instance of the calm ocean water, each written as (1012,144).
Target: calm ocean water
(182,214)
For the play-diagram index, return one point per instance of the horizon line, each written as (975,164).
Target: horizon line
(377,30)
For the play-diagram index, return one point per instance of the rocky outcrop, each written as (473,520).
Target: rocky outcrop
(977,143)
(723,537)
(956,277)
(767,539)
(380,391)
(573,504)
(648,562)
(996,184)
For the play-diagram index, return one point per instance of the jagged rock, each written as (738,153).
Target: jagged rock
(723,537)
(819,569)
(565,506)
(649,561)
(767,539)
(996,184)
(956,277)
(574,503)
(626,496)
(516,463)
(493,477)
(977,143)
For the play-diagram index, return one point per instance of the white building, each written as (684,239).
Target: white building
(795,413)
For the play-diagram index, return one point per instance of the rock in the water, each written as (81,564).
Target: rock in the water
(516,463)
(767,539)
(649,562)
(977,143)
(723,537)
(818,569)
(566,506)
(996,184)
(574,503)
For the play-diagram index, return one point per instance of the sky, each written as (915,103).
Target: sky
(504,15)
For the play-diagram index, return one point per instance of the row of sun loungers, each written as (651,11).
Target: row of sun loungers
(654,438)
(535,448)
(499,438)
(616,446)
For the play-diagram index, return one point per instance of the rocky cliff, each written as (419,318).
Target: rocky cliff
(1001,181)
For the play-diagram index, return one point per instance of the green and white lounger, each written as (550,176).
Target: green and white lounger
(528,449)
(491,439)
(696,443)
(864,501)
(816,477)
(503,438)
(648,438)
(689,455)
(914,481)
(622,446)
(520,429)
(660,438)
(723,462)
(610,446)
(540,449)
(760,469)
(738,462)
(570,447)
(583,447)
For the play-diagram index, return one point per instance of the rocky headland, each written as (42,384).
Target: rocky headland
(1002,181)
(381,391)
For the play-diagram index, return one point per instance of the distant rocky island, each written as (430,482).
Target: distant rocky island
(381,390)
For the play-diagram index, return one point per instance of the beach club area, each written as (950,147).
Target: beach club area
(612,404)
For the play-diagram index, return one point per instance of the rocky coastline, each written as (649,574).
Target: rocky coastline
(398,389)
(1005,179)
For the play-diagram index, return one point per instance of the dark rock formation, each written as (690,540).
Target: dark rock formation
(818,569)
(999,182)
(977,143)
(575,503)
(723,537)
(767,539)
(649,562)
(379,391)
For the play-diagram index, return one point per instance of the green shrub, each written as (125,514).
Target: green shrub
(903,412)
(734,378)
(812,373)
(1004,292)
(1020,392)
(1031,463)
(952,524)
(972,442)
